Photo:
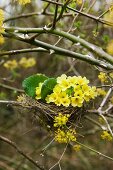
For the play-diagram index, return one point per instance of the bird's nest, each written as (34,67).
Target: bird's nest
(45,113)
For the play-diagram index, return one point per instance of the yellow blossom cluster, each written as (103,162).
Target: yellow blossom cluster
(109,47)
(101,92)
(72,91)
(79,2)
(24,2)
(76,147)
(24,62)
(65,136)
(106,136)
(11,64)
(103,77)
(1,26)
(27,62)
(109,16)
(61,120)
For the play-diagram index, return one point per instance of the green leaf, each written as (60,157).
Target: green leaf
(69,91)
(30,83)
(47,87)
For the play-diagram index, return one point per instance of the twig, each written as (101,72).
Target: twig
(13,144)
(62,51)
(75,39)
(11,88)
(95,151)
(97,19)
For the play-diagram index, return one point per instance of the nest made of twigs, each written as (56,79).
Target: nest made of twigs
(45,113)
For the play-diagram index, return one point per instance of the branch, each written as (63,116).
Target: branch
(75,39)
(13,144)
(97,19)
(14,52)
(61,51)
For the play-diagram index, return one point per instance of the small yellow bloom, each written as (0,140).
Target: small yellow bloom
(102,77)
(101,92)
(77,147)
(24,2)
(111,75)
(77,101)
(27,63)
(11,64)
(62,77)
(79,2)
(60,120)
(106,135)
(82,80)
(109,47)
(65,101)
(57,89)
(65,136)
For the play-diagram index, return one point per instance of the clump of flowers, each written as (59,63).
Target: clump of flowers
(72,91)
(62,133)
(103,77)
(24,2)
(27,62)
(24,62)
(1,26)
(65,136)
(106,136)
(101,92)
(61,120)
(109,47)
(76,147)
(11,64)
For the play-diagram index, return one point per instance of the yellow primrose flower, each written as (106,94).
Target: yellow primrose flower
(102,77)
(106,135)
(11,64)
(82,80)
(52,97)
(62,77)
(77,101)
(65,101)
(58,101)
(72,80)
(85,88)
(79,93)
(65,84)
(57,89)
